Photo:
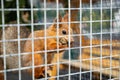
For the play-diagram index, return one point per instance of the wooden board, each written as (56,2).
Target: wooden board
(115,72)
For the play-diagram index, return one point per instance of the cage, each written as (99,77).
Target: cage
(60,40)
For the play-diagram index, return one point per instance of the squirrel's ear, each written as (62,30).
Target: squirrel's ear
(54,25)
(59,19)
(55,21)
(65,18)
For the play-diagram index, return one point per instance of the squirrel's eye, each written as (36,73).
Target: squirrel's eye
(64,32)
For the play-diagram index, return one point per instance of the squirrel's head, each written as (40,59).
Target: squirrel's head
(61,27)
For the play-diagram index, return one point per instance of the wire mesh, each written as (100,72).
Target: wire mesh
(59,40)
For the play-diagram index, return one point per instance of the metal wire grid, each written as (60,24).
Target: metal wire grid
(69,48)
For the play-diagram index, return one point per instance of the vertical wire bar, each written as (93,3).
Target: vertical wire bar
(3,41)
(18,29)
(118,19)
(118,43)
(101,42)
(45,38)
(69,25)
(58,59)
(80,38)
(119,64)
(110,39)
(90,39)
(32,31)
(119,47)
(3,36)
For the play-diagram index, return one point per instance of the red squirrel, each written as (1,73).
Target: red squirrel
(51,44)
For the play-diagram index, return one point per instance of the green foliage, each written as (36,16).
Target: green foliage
(98,17)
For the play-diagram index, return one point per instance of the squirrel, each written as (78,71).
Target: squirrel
(51,44)
(11,47)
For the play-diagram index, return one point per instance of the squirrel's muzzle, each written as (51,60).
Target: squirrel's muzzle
(66,41)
